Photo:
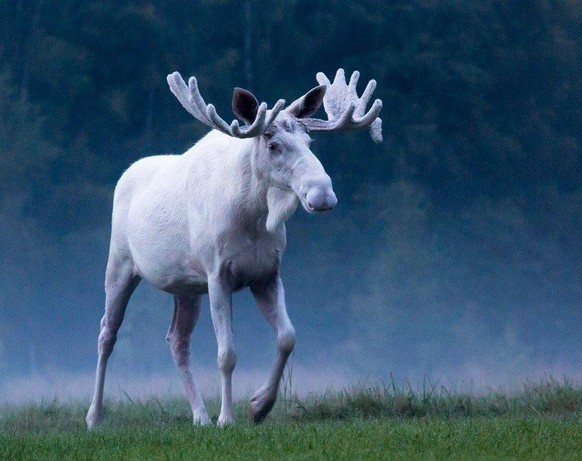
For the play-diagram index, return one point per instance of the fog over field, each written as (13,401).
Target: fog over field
(454,254)
(470,302)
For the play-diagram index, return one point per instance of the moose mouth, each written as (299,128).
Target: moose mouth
(316,209)
(318,201)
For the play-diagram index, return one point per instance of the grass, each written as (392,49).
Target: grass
(543,421)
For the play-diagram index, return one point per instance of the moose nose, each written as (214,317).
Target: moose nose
(320,199)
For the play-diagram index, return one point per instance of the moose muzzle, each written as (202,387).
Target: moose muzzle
(317,194)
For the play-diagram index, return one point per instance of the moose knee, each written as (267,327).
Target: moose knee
(226,359)
(107,339)
(286,341)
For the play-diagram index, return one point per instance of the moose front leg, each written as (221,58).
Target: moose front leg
(220,296)
(270,298)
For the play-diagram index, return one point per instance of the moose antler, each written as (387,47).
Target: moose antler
(345,110)
(190,97)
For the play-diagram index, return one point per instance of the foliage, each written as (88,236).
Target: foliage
(479,438)
(541,422)
(480,99)
(549,398)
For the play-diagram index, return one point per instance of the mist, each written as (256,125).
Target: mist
(469,301)
(454,254)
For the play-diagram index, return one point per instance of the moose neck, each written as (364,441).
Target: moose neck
(253,181)
(241,186)
(267,206)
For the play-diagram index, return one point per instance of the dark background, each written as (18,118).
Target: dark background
(454,254)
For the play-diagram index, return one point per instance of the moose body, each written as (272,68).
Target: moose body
(212,221)
(182,227)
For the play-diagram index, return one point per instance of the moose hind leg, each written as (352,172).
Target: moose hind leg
(186,311)
(270,298)
(120,283)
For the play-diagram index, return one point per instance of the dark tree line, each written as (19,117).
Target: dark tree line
(481,99)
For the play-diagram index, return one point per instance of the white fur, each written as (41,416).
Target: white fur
(211,221)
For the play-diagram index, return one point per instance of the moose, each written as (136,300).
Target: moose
(212,221)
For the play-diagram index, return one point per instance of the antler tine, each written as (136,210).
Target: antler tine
(370,116)
(345,110)
(376,130)
(198,103)
(191,99)
(345,118)
(215,121)
(278,107)
(255,129)
(180,90)
(262,121)
(366,95)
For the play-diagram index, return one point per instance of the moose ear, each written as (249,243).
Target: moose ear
(308,104)
(245,105)
(281,204)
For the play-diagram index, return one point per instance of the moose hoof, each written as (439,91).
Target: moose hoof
(201,420)
(260,406)
(93,419)
(225,421)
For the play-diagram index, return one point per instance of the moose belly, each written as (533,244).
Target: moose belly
(186,277)
(176,268)
(178,276)
(163,256)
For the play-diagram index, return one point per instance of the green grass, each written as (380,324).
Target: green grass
(369,422)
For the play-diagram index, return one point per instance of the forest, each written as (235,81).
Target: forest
(480,100)
(471,205)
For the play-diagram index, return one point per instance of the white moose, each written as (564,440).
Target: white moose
(212,221)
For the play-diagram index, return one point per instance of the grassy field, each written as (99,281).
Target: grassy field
(540,422)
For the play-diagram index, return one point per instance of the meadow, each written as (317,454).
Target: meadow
(541,421)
